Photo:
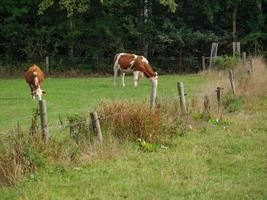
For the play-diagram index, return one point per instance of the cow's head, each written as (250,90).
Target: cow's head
(38,93)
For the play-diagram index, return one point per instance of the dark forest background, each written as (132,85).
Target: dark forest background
(85,35)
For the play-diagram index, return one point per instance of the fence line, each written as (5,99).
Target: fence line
(73,111)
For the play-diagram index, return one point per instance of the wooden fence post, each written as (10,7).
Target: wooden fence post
(251,64)
(96,126)
(236,49)
(153,95)
(231,77)
(213,54)
(180,86)
(219,99)
(44,120)
(203,63)
(47,65)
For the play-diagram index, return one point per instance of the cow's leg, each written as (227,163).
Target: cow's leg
(136,74)
(122,78)
(116,70)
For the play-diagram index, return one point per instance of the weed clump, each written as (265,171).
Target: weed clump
(78,128)
(20,154)
(232,103)
(127,120)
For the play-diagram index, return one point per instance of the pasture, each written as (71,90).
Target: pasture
(66,96)
(215,161)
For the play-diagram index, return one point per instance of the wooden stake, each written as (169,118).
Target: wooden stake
(180,86)
(96,126)
(219,98)
(251,64)
(44,120)
(153,95)
(203,63)
(231,77)
(213,54)
(236,49)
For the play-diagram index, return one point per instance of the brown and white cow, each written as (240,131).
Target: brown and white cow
(34,76)
(126,62)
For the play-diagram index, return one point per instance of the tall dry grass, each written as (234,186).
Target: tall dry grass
(127,120)
(253,83)
(248,83)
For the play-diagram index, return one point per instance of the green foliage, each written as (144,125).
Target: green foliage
(226,62)
(201,116)
(170,3)
(79,128)
(30,30)
(232,103)
(147,147)
(36,159)
(254,42)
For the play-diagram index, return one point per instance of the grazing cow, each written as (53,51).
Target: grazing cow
(126,62)
(34,76)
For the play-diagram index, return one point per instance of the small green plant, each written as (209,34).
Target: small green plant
(218,122)
(149,147)
(232,103)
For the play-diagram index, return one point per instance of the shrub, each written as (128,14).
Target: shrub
(20,153)
(127,120)
(231,102)
(78,127)
(226,62)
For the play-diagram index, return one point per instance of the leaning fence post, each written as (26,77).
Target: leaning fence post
(180,86)
(231,77)
(219,99)
(47,65)
(44,120)
(96,126)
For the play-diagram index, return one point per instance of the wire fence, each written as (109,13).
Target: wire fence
(101,65)
(64,124)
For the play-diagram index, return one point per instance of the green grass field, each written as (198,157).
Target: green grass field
(66,96)
(213,162)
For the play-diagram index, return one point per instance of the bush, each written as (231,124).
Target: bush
(20,153)
(132,120)
(232,103)
(226,62)
(78,127)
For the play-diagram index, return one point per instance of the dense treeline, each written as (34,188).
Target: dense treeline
(86,32)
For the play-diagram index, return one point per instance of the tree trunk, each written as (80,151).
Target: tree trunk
(234,21)
(144,11)
(71,51)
